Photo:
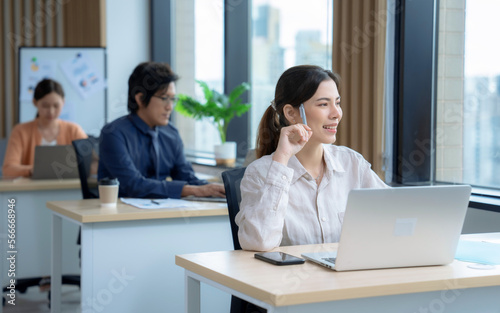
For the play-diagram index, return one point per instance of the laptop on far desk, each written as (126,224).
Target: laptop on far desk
(55,162)
(398,227)
(205,199)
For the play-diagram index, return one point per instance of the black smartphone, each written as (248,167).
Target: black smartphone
(279,258)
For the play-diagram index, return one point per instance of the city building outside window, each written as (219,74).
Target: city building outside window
(284,34)
(468,94)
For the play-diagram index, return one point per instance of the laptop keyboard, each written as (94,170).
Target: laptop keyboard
(331,260)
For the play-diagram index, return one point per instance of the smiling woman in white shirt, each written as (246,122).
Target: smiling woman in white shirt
(295,193)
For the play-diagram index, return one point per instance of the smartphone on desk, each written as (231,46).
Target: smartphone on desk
(278,258)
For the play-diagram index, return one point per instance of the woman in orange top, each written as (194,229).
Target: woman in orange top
(46,129)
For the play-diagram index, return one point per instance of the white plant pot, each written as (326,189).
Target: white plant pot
(225,154)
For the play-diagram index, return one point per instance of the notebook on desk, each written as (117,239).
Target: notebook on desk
(55,162)
(398,227)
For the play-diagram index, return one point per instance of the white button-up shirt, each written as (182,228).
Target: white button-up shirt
(282,205)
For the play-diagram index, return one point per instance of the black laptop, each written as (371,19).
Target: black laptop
(55,162)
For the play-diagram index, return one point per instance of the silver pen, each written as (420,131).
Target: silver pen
(303,114)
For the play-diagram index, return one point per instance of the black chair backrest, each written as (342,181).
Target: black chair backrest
(86,150)
(3,147)
(232,179)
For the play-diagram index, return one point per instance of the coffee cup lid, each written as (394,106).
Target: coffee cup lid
(109,181)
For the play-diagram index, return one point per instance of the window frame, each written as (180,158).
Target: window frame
(237,66)
(161,30)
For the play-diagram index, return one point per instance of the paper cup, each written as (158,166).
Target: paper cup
(108,192)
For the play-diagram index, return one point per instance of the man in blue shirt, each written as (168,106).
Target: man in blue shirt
(142,149)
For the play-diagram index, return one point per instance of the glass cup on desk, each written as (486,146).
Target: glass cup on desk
(108,192)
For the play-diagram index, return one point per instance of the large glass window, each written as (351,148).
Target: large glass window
(209,63)
(482,94)
(284,34)
(199,56)
(468,98)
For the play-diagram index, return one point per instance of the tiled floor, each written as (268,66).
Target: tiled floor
(35,301)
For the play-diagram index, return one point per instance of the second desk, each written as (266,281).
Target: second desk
(128,254)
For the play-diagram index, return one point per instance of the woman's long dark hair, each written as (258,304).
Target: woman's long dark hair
(295,86)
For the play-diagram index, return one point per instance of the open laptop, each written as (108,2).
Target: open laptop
(398,227)
(205,199)
(55,162)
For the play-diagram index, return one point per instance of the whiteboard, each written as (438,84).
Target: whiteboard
(82,73)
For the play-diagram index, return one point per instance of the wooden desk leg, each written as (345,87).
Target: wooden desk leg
(55,280)
(192,295)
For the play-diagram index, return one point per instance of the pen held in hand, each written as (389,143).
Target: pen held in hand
(303,114)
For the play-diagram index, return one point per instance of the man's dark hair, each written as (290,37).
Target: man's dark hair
(147,78)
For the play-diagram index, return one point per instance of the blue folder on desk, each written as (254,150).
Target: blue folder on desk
(478,252)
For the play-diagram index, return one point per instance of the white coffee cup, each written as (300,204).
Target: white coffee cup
(108,192)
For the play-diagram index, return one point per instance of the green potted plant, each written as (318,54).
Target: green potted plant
(222,109)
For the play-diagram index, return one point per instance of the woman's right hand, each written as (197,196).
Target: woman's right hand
(292,139)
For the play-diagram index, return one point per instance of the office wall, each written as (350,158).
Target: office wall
(42,23)
(120,26)
(128,44)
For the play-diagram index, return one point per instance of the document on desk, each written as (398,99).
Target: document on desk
(158,203)
(478,252)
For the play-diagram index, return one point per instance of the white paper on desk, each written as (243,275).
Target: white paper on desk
(161,203)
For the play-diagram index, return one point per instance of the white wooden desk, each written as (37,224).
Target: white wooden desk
(128,254)
(313,288)
(33,225)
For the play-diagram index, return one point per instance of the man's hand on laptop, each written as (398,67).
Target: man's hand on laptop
(209,190)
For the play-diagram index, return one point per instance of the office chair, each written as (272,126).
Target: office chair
(232,179)
(87,151)
(3,147)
